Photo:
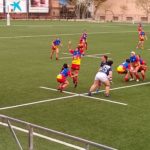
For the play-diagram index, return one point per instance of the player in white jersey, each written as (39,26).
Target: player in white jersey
(104,76)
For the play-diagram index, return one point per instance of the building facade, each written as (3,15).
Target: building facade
(121,10)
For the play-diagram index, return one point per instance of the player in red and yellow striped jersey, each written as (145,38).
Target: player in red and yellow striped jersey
(76,62)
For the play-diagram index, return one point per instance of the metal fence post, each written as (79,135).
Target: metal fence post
(30,138)
(14,135)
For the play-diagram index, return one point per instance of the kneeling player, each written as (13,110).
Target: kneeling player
(143,68)
(124,68)
(62,77)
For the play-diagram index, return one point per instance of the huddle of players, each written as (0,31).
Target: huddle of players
(132,67)
(75,65)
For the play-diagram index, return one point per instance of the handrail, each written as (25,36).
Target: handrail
(5,119)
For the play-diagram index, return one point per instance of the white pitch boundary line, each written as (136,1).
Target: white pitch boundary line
(44,137)
(91,54)
(52,89)
(38,102)
(65,57)
(74,95)
(83,95)
(63,34)
(122,87)
(106,100)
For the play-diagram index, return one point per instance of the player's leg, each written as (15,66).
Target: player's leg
(107,88)
(126,78)
(136,73)
(75,79)
(138,45)
(51,54)
(57,53)
(65,84)
(142,45)
(94,86)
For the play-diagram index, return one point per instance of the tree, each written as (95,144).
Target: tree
(124,9)
(144,5)
(83,5)
(97,4)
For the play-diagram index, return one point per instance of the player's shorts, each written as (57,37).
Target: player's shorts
(141,40)
(101,77)
(60,78)
(75,67)
(142,69)
(54,48)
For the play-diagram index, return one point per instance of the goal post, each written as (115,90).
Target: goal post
(7,16)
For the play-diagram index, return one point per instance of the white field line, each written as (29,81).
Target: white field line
(65,57)
(52,89)
(63,34)
(74,95)
(38,102)
(91,54)
(44,137)
(123,87)
(105,100)
(83,95)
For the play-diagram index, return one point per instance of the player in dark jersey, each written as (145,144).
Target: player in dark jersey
(104,60)
(104,76)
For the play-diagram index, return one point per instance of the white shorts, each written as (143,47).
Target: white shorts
(101,77)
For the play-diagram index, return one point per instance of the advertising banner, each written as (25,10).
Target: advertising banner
(38,6)
(16,6)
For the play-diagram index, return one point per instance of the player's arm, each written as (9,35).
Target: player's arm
(145,37)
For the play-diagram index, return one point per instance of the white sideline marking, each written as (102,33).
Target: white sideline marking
(38,102)
(65,57)
(106,100)
(63,34)
(83,95)
(91,54)
(52,89)
(44,137)
(123,87)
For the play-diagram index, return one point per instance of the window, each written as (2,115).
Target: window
(102,17)
(144,18)
(129,18)
(115,18)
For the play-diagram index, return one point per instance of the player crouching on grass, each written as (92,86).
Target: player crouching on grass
(104,76)
(124,68)
(143,67)
(62,77)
